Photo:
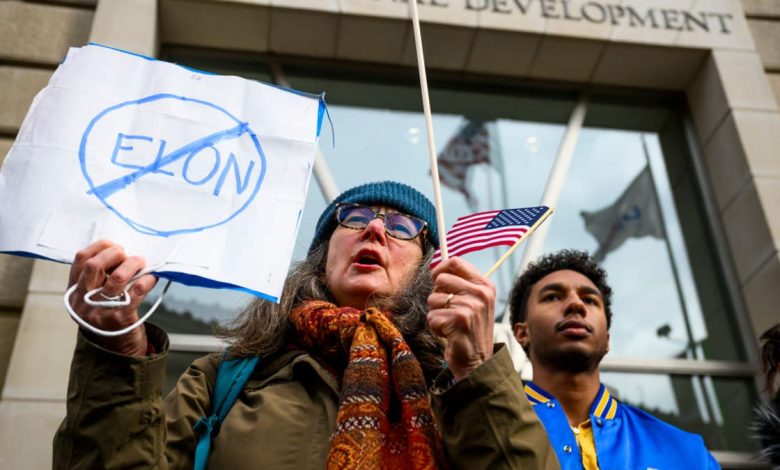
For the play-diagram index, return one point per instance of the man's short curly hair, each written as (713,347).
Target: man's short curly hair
(575,260)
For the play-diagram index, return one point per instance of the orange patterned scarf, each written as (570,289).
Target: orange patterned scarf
(385,419)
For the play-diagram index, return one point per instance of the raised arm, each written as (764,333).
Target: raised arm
(115,413)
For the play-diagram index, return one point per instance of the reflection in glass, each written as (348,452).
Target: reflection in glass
(611,181)
(496,147)
(194,310)
(719,409)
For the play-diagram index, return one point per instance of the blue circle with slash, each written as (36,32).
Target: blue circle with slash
(100,190)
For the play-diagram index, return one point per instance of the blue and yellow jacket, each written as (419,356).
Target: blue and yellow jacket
(625,437)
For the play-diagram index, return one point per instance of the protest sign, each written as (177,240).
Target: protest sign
(204,175)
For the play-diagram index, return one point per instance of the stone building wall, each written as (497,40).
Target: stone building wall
(34,37)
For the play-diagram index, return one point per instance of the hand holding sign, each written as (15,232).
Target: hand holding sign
(105,264)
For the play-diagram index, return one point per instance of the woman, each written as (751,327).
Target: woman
(346,361)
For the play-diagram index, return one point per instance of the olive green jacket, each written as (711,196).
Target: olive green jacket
(283,419)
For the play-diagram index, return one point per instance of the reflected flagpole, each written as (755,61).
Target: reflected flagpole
(429,130)
(554,186)
(704,393)
(691,345)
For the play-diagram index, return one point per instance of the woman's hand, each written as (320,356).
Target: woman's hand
(466,319)
(105,264)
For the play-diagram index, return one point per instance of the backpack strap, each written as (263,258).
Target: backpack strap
(231,377)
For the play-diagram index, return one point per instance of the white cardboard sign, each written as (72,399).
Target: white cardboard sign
(204,175)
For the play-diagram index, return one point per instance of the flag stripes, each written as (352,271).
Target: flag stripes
(489,228)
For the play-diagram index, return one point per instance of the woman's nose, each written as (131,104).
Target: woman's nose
(375,230)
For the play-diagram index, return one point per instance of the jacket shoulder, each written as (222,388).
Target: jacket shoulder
(649,421)
(662,429)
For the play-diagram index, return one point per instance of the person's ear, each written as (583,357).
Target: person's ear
(521,333)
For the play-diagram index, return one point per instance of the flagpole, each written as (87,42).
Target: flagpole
(554,186)
(429,130)
(518,243)
(691,343)
(672,259)
(496,151)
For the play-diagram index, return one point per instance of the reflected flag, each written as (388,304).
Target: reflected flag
(490,228)
(468,147)
(634,214)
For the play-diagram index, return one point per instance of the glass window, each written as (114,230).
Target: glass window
(194,310)
(628,196)
(618,203)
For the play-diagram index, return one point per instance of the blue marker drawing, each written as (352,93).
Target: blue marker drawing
(205,148)
(123,145)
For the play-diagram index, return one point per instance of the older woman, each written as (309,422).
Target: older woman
(346,361)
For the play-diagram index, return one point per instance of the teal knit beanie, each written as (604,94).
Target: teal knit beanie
(399,196)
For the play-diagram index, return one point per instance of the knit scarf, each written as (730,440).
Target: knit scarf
(385,419)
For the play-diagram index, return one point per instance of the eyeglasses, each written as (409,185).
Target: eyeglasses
(397,225)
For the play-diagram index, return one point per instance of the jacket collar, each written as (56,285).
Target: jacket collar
(604,405)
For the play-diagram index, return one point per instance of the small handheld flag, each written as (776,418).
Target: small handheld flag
(481,230)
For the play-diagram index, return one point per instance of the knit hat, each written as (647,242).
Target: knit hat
(399,196)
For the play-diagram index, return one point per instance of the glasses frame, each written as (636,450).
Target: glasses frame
(381,215)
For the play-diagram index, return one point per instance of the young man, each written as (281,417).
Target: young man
(560,312)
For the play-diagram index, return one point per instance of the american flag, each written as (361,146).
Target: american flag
(490,228)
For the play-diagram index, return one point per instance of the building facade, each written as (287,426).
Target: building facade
(671,103)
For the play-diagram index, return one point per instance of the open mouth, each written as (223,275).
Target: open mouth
(367,258)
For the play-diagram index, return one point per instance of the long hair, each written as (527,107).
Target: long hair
(264,328)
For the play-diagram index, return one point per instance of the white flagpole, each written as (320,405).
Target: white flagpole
(552,191)
(554,186)
(429,130)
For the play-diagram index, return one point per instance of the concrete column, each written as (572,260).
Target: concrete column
(127,24)
(33,400)
(738,123)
